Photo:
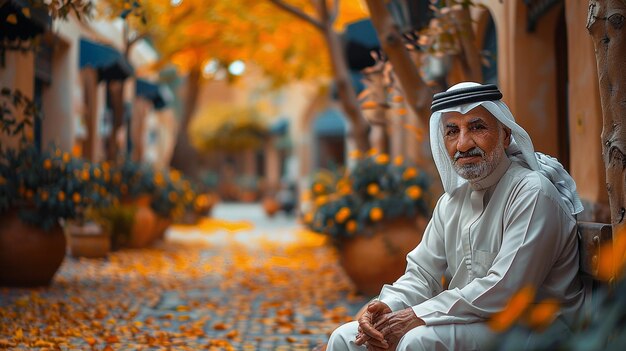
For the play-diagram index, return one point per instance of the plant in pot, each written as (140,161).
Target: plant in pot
(88,234)
(37,189)
(376,210)
(170,198)
(132,183)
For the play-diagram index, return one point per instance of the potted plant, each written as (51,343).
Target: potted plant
(37,189)
(134,184)
(88,235)
(378,209)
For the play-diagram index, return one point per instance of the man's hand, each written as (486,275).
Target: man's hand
(393,326)
(367,333)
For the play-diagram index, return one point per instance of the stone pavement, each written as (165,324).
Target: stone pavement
(238,281)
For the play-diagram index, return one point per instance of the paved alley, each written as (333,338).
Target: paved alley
(236,281)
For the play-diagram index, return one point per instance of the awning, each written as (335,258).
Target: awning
(109,62)
(24,23)
(329,123)
(150,91)
(361,39)
(280,127)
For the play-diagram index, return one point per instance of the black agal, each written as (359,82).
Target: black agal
(461,96)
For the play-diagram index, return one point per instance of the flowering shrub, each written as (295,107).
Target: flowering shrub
(375,189)
(45,186)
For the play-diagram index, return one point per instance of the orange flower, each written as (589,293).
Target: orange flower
(502,320)
(402,111)
(175,175)
(398,160)
(397,98)
(351,226)
(321,200)
(29,194)
(344,189)
(355,154)
(318,188)
(159,180)
(61,196)
(172,196)
(44,195)
(308,217)
(373,189)
(414,192)
(76,197)
(117,178)
(85,175)
(373,151)
(66,157)
(409,173)
(369,105)
(382,159)
(542,315)
(47,164)
(342,214)
(97,172)
(376,214)
(612,257)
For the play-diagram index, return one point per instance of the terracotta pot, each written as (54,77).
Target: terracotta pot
(374,260)
(87,240)
(143,229)
(271,206)
(29,255)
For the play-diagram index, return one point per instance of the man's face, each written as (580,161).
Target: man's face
(475,142)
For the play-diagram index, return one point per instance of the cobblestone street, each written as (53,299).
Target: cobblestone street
(237,281)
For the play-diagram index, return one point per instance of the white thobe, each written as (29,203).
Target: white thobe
(489,240)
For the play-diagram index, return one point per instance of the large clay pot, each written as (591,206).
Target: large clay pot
(87,240)
(380,258)
(142,233)
(271,206)
(29,255)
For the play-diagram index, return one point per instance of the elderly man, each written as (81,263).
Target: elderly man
(505,222)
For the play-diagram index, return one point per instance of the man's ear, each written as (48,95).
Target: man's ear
(507,136)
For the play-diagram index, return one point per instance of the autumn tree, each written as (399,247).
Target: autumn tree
(323,19)
(606,26)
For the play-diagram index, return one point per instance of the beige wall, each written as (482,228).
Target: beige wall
(585,115)
(17,74)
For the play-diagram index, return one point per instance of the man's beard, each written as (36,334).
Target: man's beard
(483,168)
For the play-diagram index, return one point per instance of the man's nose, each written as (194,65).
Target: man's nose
(465,142)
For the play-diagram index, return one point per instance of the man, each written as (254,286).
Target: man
(505,222)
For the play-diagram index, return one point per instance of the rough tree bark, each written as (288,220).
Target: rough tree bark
(347,96)
(606,21)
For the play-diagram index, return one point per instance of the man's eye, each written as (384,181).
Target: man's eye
(477,127)
(451,132)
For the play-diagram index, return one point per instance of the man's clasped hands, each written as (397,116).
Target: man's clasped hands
(382,329)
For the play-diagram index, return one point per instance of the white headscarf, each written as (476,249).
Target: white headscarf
(520,150)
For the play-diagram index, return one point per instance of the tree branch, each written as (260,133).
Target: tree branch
(298,13)
(332,16)
(130,43)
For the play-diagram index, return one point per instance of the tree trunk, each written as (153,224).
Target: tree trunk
(417,94)
(185,157)
(606,26)
(347,95)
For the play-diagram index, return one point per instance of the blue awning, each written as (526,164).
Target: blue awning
(361,39)
(22,28)
(109,62)
(151,92)
(280,127)
(329,123)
